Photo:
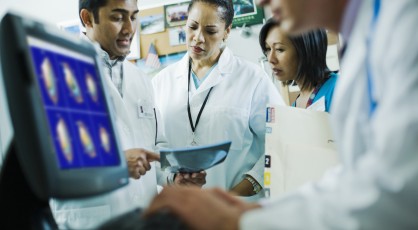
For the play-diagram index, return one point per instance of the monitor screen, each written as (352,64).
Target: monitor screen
(74,106)
(64,135)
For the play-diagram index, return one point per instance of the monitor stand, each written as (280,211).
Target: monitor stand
(20,208)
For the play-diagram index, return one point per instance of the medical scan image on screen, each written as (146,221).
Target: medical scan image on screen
(75,106)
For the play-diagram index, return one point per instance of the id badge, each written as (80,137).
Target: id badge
(144,109)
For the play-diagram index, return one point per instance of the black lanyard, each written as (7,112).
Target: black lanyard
(188,102)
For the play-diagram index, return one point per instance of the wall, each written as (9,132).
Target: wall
(57,10)
(160,40)
(62,10)
(246,47)
(67,10)
(146,4)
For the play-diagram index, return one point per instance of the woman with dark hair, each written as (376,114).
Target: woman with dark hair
(302,60)
(211,95)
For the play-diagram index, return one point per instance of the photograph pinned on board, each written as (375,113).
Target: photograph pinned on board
(152,24)
(176,14)
(177,35)
(244,7)
(247,13)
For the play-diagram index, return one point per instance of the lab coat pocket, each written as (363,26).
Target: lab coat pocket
(144,109)
(228,123)
(145,124)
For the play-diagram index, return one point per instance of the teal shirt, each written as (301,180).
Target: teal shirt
(326,91)
(197,81)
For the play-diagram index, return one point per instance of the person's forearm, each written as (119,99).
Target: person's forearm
(243,188)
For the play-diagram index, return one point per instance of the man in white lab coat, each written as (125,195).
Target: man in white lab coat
(112,24)
(375,120)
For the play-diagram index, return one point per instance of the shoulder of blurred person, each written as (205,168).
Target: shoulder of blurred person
(376,186)
(378,150)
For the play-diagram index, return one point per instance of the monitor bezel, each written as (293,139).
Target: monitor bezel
(44,174)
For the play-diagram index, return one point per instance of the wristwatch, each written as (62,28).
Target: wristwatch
(256,187)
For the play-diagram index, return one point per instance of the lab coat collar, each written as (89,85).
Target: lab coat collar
(223,69)
(224,63)
(182,67)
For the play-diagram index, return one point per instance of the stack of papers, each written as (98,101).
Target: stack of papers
(193,159)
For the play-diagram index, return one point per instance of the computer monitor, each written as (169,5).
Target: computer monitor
(64,137)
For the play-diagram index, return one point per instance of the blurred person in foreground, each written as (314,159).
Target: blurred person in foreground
(375,123)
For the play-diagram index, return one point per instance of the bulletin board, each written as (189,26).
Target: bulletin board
(160,39)
(247,12)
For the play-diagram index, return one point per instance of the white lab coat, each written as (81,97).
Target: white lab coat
(377,185)
(234,111)
(134,131)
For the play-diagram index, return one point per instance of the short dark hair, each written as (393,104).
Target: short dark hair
(92,6)
(227,7)
(311,50)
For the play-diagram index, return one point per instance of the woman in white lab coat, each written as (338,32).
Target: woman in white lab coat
(210,95)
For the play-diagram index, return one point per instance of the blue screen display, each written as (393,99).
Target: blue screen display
(75,107)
